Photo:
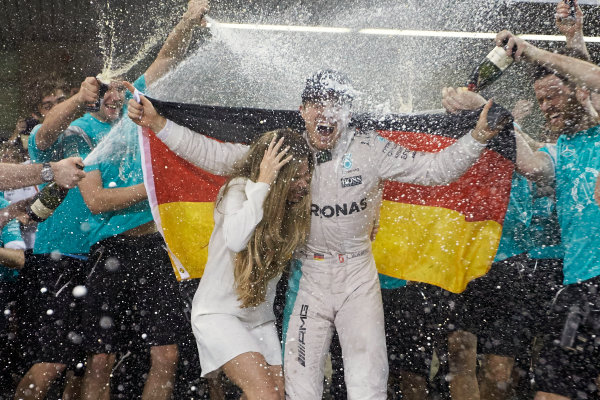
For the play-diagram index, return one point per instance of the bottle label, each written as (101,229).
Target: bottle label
(39,209)
(499,57)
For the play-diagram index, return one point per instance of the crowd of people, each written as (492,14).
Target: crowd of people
(91,304)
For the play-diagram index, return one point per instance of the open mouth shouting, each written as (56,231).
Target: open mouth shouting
(325,129)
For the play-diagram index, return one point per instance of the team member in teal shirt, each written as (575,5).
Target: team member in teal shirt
(138,294)
(63,240)
(12,258)
(56,266)
(562,86)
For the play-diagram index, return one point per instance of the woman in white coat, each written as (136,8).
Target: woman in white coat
(261,215)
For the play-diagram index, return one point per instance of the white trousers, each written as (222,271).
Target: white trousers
(337,292)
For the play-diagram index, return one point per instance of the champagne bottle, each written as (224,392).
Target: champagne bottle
(46,201)
(572,10)
(490,69)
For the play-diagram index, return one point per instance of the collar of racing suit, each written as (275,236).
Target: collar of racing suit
(322,156)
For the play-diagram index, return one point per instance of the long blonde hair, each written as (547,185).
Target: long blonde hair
(284,225)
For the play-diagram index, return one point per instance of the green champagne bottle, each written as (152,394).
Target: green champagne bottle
(490,69)
(46,201)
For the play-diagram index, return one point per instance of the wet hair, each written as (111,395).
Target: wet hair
(284,225)
(541,71)
(38,89)
(328,85)
(14,147)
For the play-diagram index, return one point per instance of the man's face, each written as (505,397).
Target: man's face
(558,103)
(300,186)
(49,101)
(110,108)
(325,122)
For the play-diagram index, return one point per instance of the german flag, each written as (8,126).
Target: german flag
(442,235)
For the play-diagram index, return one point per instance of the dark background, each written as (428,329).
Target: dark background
(64,38)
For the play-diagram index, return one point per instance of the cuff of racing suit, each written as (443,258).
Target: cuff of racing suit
(471,144)
(164,132)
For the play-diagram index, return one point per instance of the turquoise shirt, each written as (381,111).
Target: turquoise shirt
(515,235)
(10,237)
(67,229)
(122,169)
(387,282)
(544,230)
(576,164)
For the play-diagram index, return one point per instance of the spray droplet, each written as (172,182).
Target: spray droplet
(79,291)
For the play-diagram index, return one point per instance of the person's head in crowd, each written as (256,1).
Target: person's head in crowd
(43,95)
(564,105)
(286,221)
(326,107)
(111,104)
(22,131)
(12,152)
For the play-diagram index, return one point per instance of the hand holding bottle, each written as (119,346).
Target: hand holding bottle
(88,91)
(569,18)
(143,113)
(514,46)
(68,172)
(273,161)
(196,11)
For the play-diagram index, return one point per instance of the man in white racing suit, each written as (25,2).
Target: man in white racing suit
(333,279)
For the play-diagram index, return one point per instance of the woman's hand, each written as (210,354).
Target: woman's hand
(273,161)
(144,113)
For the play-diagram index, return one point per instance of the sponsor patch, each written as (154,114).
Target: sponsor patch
(352,181)
(347,161)
(337,209)
(301,335)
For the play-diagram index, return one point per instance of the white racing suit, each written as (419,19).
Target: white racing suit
(333,281)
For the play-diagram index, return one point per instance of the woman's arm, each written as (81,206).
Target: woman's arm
(242,209)
(243,203)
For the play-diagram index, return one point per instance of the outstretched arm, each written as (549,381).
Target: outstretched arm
(177,42)
(208,154)
(67,173)
(61,115)
(440,168)
(572,28)
(581,72)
